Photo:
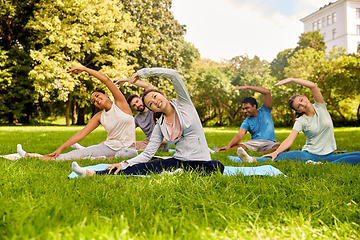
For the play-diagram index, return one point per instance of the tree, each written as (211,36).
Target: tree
(96,34)
(311,39)
(17,101)
(161,35)
(334,73)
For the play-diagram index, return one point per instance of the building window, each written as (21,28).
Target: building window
(324,36)
(324,22)
(334,18)
(328,20)
(319,24)
(334,33)
(314,26)
(358,29)
(358,47)
(358,13)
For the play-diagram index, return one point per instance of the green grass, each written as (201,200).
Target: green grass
(38,201)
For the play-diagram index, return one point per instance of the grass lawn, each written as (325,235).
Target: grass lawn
(38,201)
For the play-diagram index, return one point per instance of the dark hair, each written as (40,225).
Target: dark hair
(156,115)
(131,97)
(250,100)
(98,90)
(291,104)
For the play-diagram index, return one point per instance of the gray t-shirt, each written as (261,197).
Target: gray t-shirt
(318,130)
(145,121)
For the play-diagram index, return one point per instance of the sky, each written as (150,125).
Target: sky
(223,29)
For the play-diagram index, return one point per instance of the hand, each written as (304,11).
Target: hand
(240,88)
(53,155)
(282,82)
(111,167)
(223,149)
(273,155)
(76,70)
(134,78)
(121,82)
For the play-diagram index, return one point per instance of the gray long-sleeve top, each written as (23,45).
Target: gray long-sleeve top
(192,145)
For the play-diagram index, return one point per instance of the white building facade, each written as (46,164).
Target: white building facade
(339,24)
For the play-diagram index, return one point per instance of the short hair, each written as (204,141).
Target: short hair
(131,97)
(250,100)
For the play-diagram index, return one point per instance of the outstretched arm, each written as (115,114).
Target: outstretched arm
(119,98)
(315,91)
(238,137)
(264,91)
(94,123)
(284,145)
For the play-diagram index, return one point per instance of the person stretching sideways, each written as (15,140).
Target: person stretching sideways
(258,122)
(178,122)
(315,121)
(116,117)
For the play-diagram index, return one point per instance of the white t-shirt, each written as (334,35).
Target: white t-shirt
(318,130)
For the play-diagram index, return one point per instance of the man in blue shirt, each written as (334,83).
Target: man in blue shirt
(258,122)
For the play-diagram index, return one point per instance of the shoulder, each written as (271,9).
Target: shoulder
(263,108)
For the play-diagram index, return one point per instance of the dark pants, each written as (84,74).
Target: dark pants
(169,164)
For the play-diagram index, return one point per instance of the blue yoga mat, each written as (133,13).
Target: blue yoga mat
(235,159)
(247,171)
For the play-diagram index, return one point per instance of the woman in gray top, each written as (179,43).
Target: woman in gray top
(178,123)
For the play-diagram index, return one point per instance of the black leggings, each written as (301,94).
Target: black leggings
(169,164)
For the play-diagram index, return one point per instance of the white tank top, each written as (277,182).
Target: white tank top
(120,128)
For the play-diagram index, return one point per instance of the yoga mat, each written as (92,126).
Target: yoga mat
(16,156)
(247,171)
(235,159)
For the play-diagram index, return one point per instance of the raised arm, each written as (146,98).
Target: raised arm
(264,91)
(284,145)
(238,137)
(119,98)
(315,91)
(135,81)
(179,85)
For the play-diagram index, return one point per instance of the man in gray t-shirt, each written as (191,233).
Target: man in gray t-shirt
(144,120)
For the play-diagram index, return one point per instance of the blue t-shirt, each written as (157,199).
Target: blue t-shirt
(261,126)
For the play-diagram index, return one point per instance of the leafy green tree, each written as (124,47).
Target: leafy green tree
(210,90)
(96,34)
(311,39)
(333,73)
(161,35)
(306,40)
(278,65)
(17,101)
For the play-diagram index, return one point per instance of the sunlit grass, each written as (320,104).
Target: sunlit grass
(38,201)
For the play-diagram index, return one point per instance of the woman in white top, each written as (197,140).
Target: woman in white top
(117,119)
(315,121)
(178,122)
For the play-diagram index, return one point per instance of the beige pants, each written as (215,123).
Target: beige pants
(141,145)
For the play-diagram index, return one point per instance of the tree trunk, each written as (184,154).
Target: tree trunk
(81,117)
(358,114)
(74,116)
(67,109)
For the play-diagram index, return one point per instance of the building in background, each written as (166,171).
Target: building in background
(339,24)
